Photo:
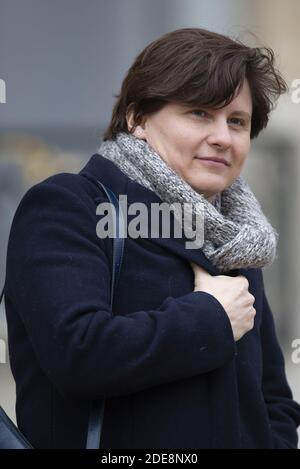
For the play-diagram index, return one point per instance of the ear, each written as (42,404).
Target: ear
(139,131)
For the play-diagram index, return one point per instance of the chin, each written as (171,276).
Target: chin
(209,189)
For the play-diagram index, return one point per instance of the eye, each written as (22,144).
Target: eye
(200,113)
(237,121)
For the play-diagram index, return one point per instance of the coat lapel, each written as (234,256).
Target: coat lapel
(112,177)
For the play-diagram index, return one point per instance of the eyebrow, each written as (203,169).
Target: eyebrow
(241,113)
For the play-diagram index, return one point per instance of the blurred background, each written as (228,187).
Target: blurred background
(63,62)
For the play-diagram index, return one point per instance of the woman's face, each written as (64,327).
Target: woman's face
(184,136)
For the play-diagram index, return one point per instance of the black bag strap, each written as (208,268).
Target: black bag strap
(93,440)
(2,294)
(97,407)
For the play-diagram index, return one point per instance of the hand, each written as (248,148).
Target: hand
(234,296)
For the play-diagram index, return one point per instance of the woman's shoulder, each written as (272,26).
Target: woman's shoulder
(54,216)
(64,202)
(68,183)
(61,190)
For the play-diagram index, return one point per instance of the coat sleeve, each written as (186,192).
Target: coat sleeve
(283,411)
(58,279)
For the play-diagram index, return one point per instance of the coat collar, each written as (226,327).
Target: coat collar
(99,167)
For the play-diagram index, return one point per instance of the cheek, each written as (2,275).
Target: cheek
(187,140)
(180,145)
(242,148)
(176,139)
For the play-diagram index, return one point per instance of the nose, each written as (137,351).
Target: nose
(220,135)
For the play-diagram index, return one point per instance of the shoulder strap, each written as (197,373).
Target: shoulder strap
(97,407)
(118,240)
(2,294)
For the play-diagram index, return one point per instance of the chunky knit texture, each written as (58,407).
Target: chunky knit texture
(236,232)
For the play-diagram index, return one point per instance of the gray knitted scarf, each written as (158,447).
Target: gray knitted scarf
(236,232)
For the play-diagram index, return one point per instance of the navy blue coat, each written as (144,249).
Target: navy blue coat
(166,362)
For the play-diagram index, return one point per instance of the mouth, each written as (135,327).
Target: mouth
(213,161)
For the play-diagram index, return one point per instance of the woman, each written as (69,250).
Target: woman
(190,358)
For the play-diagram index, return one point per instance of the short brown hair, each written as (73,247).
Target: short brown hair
(193,66)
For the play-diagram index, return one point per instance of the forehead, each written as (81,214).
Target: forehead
(242,101)
(243,98)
